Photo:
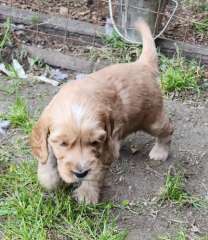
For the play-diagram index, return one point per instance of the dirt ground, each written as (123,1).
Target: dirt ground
(136,179)
(140,180)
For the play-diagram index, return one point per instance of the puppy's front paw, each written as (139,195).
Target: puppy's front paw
(87,194)
(48,176)
(159,152)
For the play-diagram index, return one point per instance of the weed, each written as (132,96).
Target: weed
(181,235)
(197,6)
(12,86)
(35,62)
(29,213)
(12,73)
(174,188)
(6,35)
(203,7)
(114,41)
(201,27)
(115,50)
(174,191)
(35,19)
(203,238)
(178,75)
(18,115)
(14,81)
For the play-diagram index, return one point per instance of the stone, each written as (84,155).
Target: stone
(64,11)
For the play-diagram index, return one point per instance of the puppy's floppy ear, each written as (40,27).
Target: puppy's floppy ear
(39,138)
(109,125)
(112,130)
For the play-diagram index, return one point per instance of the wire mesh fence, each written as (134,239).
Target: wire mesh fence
(182,20)
(188,24)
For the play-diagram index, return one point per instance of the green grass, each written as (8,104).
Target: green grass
(18,115)
(203,238)
(27,213)
(35,19)
(174,192)
(174,188)
(201,27)
(197,6)
(203,7)
(11,86)
(181,235)
(5,37)
(115,50)
(178,74)
(115,41)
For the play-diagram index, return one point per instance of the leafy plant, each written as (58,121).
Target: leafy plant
(197,6)
(115,41)
(174,191)
(18,115)
(174,188)
(178,75)
(115,50)
(6,35)
(202,26)
(35,19)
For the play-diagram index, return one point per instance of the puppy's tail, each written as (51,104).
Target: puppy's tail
(149,53)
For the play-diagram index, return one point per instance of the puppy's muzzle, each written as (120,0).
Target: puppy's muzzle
(81,174)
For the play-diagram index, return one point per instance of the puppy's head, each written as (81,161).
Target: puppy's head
(78,137)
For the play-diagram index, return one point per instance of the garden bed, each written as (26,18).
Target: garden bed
(189,23)
(78,38)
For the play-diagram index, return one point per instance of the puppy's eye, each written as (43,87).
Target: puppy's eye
(63,144)
(94,143)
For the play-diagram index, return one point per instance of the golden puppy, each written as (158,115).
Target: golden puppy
(78,134)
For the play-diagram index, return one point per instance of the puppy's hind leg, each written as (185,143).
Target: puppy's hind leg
(48,175)
(162,129)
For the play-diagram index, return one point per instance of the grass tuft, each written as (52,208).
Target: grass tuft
(19,116)
(115,50)
(202,26)
(174,191)
(181,235)
(26,212)
(5,36)
(179,75)
(198,6)
(35,19)
(174,188)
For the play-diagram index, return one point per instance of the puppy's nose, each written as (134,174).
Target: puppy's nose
(81,174)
